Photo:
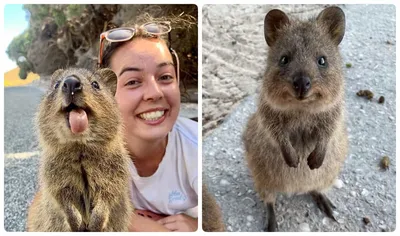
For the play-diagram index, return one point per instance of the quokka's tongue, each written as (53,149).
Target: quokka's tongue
(78,121)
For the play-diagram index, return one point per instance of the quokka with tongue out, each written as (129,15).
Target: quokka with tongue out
(296,142)
(83,175)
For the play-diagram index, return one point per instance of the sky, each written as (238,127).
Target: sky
(14,24)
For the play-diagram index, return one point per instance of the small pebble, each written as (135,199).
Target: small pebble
(364,192)
(338,184)
(248,201)
(366,220)
(353,193)
(382,227)
(381,99)
(280,220)
(248,224)
(340,221)
(224,182)
(335,213)
(389,42)
(250,218)
(325,221)
(304,227)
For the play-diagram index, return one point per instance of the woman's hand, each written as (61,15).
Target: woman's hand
(180,223)
(144,224)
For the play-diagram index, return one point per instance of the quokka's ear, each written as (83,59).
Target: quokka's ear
(109,79)
(274,20)
(333,19)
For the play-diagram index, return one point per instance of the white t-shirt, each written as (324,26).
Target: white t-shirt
(172,189)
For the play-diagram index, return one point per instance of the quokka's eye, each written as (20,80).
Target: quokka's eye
(56,85)
(322,61)
(284,60)
(95,85)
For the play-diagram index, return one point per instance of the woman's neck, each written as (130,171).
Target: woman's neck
(146,155)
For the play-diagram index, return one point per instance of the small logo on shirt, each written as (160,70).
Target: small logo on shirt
(175,196)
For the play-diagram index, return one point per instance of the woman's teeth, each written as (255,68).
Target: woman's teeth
(154,115)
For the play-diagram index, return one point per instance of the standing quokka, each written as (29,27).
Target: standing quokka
(296,142)
(84,175)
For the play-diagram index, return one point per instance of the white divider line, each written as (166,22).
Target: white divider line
(22,155)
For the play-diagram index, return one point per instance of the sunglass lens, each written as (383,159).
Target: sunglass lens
(120,34)
(156,28)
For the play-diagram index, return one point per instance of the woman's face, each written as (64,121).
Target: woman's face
(147,93)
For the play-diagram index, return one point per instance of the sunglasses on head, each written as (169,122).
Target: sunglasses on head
(152,29)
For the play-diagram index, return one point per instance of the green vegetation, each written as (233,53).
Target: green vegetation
(22,73)
(348,65)
(75,10)
(19,46)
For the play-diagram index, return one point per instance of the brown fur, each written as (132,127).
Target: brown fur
(310,132)
(212,218)
(83,177)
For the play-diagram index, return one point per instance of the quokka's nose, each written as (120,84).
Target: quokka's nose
(301,85)
(71,85)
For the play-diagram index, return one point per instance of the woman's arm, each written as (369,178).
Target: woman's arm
(180,223)
(144,224)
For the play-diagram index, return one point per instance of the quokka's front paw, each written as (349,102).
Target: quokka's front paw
(96,223)
(83,228)
(290,157)
(316,158)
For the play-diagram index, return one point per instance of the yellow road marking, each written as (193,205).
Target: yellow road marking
(22,155)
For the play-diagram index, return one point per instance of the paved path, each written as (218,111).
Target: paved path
(21,154)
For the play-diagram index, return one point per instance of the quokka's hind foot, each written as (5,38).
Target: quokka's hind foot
(324,204)
(270,219)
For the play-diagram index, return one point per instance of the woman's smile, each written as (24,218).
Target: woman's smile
(153,116)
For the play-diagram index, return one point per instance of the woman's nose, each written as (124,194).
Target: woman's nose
(153,90)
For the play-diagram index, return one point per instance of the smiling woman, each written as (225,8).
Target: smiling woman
(162,145)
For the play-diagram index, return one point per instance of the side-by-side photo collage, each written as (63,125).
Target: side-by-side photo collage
(199,118)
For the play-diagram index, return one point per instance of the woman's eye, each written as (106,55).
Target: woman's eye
(132,82)
(166,77)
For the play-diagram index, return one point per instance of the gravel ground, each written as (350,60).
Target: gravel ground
(20,104)
(20,174)
(362,188)
(20,184)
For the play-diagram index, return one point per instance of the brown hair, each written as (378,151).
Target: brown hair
(111,47)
